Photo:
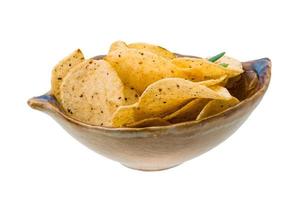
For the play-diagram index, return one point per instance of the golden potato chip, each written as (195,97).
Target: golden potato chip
(140,68)
(130,95)
(162,98)
(149,122)
(191,110)
(126,115)
(199,69)
(222,91)
(211,82)
(117,45)
(170,92)
(217,106)
(91,92)
(61,69)
(188,112)
(230,63)
(158,50)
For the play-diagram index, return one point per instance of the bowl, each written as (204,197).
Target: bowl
(158,148)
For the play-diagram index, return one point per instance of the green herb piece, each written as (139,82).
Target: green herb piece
(216,57)
(224,64)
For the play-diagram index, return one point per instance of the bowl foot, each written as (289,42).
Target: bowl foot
(149,169)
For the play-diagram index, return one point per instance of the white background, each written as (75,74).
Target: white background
(39,160)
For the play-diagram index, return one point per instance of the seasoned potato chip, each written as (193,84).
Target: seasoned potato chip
(188,112)
(130,96)
(61,70)
(158,50)
(200,69)
(191,110)
(162,98)
(211,82)
(140,68)
(222,91)
(91,92)
(170,92)
(217,106)
(149,122)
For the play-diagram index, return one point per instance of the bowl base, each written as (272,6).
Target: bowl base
(150,170)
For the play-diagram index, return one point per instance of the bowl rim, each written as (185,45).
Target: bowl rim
(265,77)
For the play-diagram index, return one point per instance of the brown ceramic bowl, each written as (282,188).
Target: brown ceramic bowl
(157,148)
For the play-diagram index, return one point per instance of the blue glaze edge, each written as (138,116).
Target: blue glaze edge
(47,98)
(260,66)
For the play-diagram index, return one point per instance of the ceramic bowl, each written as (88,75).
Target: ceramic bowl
(157,148)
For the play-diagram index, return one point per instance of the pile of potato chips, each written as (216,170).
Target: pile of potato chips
(140,85)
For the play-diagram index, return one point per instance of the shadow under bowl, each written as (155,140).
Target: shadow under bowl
(158,148)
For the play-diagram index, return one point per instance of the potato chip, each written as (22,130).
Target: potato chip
(222,91)
(170,92)
(199,69)
(130,95)
(211,82)
(149,122)
(91,92)
(61,69)
(230,63)
(140,68)
(117,45)
(158,50)
(217,106)
(126,115)
(188,112)
(162,98)
(191,110)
